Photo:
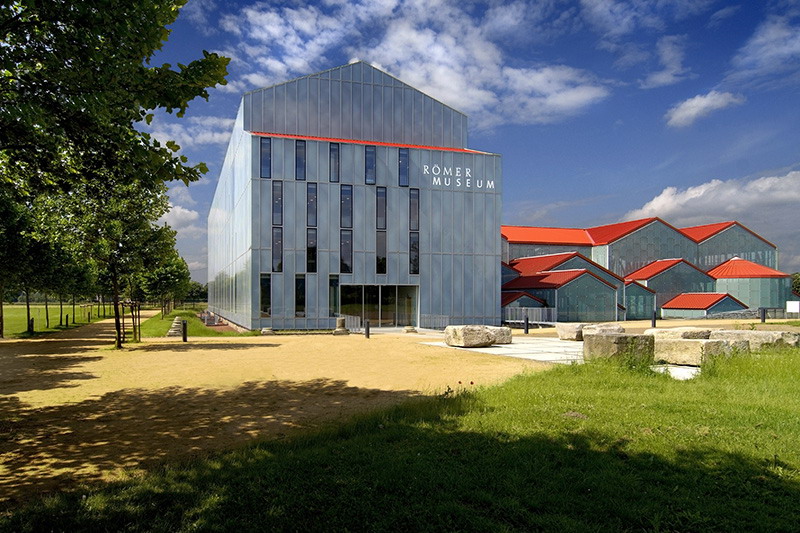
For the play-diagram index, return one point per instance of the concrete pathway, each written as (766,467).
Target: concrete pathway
(545,350)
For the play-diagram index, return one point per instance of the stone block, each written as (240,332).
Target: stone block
(679,333)
(340,328)
(473,336)
(620,345)
(267,331)
(502,334)
(600,329)
(758,340)
(694,352)
(570,331)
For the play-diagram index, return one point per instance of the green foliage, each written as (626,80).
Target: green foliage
(593,447)
(158,327)
(796,282)
(75,78)
(198,292)
(16,317)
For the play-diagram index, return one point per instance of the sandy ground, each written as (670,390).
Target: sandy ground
(74,410)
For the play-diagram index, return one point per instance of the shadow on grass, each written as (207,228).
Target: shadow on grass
(411,469)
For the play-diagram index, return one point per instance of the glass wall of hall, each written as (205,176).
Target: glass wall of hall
(382,305)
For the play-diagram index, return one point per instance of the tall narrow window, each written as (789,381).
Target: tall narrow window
(402,167)
(266,295)
(413,210)
(300,296)
(370,165)
(333,161)
(346,206)
(311,204)
(346,251)
(380,208)
(333,295)
(380,252)
(311,250)
(277,203)
(266,157)
(277,249)
(413,249)
(300,160)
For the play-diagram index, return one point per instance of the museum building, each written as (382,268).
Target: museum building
(349,192)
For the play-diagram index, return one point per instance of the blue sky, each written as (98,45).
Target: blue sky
(603,110)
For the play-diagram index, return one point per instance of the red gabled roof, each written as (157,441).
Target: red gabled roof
(540,263)
(612,232)
(706,231)
(354,141)
(633,282)
(509,297)
(550,279)
(538,235)
(698,300)
(653,269)
(742,268)
(701,233)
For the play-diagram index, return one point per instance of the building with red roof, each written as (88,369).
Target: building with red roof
(716,243)
(755,285)
(695,305)
(670,277)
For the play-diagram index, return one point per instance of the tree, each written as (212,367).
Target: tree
(14,222)
(198,292)
(796,282)
(168,281)
(75,78)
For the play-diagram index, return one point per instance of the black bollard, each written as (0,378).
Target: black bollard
(653,322)
(66,324)
(30,326)
(527,323)
(184,328)
(366,328)
(762,311)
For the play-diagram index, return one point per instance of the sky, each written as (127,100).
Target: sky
(603,110)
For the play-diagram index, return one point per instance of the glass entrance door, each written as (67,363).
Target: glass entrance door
(382,305)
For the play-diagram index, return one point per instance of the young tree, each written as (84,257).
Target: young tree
(14,221)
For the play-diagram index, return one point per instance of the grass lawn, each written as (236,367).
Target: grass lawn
(595,447)
(14,316)
(158,327)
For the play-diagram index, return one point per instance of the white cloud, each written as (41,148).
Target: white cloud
(198,12)
(670,53)
(718,16)
(774,48)
(184,221)
(193,131)
(687,112)
(179,195)
(441,49)
(616,18)
(767,205)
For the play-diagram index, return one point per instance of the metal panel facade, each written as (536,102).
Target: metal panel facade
(459,204)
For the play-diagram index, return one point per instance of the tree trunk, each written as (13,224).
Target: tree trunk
(28,327)
(2,318)
(115,298)
(60,310)
(46,312)
(73,308)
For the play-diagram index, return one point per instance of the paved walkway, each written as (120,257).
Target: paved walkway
(545,350)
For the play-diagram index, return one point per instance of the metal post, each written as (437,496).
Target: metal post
(366,328)
(30,326)
(66,324)
(184,329)
(762,311)
(527,322)
(653,322)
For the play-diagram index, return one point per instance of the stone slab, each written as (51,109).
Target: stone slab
(619,345)
(679,333)
(694,352)
(600,329)
(758,340)
(502,334)
(471,336)
(570,331)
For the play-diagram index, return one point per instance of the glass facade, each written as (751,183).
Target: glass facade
(300,160)
(266,158)
(448,265)
(333,162)
(346,206)
(346,251)
(370,165)
(266,293)
(311,204)
(300,296)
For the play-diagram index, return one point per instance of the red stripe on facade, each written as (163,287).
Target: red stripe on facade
(373,143)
